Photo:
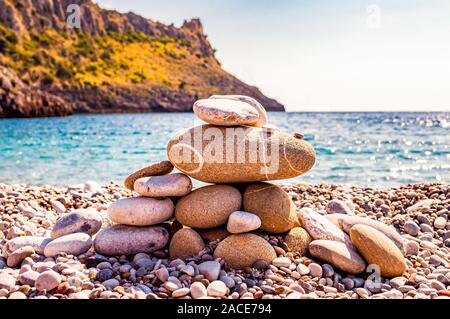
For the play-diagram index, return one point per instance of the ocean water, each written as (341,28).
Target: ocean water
(377,149)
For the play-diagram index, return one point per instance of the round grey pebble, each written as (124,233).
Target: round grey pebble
(111,283)
(228,281)
(426,228)
(327,270)
(104,274)
(411,228)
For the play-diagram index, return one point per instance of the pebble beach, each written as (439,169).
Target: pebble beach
(419,213)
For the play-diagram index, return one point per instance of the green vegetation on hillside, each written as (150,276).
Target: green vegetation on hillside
(78,60)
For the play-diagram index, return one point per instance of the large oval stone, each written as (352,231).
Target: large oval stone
(262,119)
(319,227)
(86,221)
(378,249)
(272,205)
(242,250)
(155,169)
(225,112)
(216,154)
(141,211)
(347,222)
(72,244)
(129,240)
(185,242)
(208,207)
(340,255)
(164,186)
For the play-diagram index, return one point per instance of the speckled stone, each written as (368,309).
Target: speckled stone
(272,205)
(295,156)
(185,242)
(225,112)
(378,249)
(262,119)
(242,250)
(86,221)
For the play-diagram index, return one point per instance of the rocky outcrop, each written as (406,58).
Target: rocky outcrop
(20,100)
(24,15)
(32,97)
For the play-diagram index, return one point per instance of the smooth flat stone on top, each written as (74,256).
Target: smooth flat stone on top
(225,112)
(262,120)
(319,227)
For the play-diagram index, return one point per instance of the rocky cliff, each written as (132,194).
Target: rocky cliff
(110,62)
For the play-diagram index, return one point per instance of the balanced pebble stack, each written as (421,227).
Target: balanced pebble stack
(241,202)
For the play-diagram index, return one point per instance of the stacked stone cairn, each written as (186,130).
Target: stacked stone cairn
(232,209)
(232,219)
(240,206)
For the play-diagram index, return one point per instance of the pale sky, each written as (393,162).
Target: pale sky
(325,55)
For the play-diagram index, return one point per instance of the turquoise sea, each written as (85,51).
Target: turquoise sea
(378,149)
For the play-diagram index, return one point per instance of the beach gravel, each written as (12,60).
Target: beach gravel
(414,218)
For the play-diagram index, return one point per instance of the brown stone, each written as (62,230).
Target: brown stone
(297,240)
(378,249)
(155,169)
(17,256)
(347,222)
(208,207)
(272,205)
(212,234)
(186,242)
(243,250)
(214,154)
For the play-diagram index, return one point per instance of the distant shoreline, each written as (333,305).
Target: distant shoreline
(186,112)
